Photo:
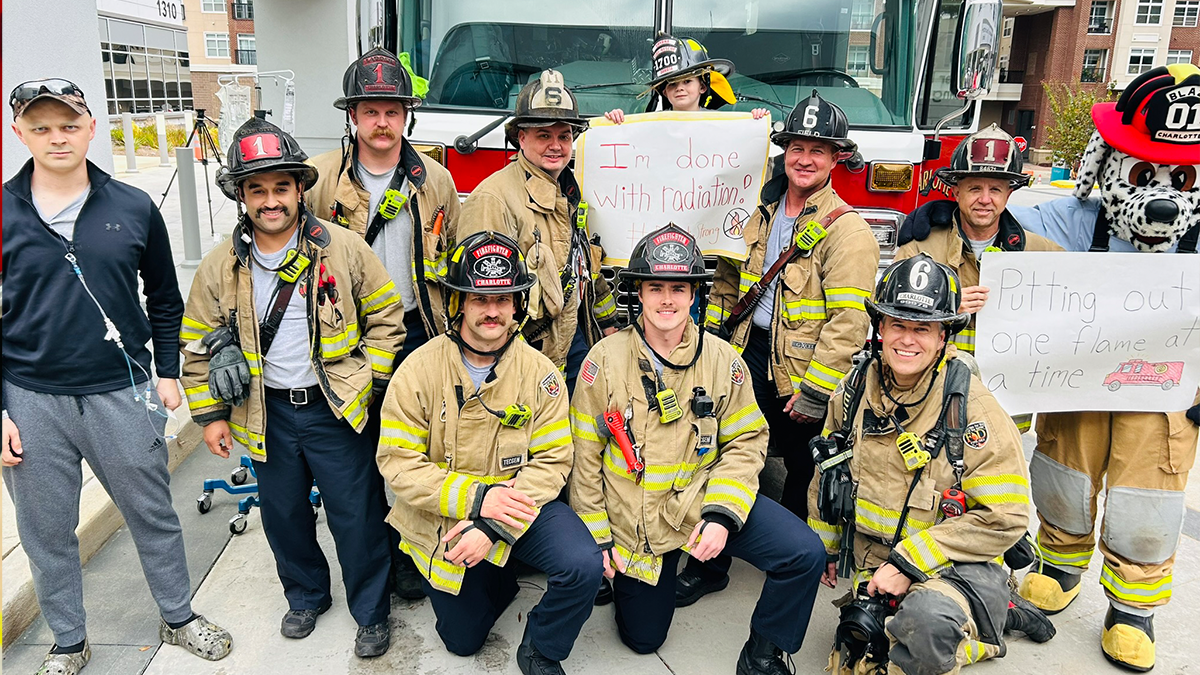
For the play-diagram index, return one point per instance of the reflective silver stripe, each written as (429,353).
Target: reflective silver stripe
(553,435)
(746,419)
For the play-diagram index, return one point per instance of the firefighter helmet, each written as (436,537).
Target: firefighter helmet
(1156,117)
(815,118)
(675,58)
(377,76)
(987,153)
(545,102)
(667,254)
(261,147)
(919,289)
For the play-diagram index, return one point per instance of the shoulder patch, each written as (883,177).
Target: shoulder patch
(976,435)
(737,374)
(588,371)
(551,386)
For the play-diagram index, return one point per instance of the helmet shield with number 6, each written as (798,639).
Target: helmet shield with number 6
(919,289)
(817,119)
(545,102)
(987,153)
(261,147)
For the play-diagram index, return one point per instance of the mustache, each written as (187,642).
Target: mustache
(383,133)
(281,207)
(491,319)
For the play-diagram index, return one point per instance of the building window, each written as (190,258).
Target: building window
(862,14)
(246,55)
(141,79)
(1098,20)
(216,45)
(243,9)
(1186,13)
(1179,56)
(217,6)
(1141,59)
(1095,63)
(1008,27)
(1149,12)
(858,60)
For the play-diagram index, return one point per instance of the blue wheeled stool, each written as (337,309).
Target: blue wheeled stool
(238,477)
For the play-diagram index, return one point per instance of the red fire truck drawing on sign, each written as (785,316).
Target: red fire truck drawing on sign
(1139,373)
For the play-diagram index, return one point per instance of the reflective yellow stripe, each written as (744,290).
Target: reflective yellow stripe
(198,397)
(746,280)
(381,360)
(432,268)
(605,308)
(746,419)
(381,298)
(716,314)
(846,298)
(440,573)
(730,491)
(925,552)
(254,442)
(656,478)
(597,523)
(254,361)
(831,535)
(193,329)
(356,410)
(1007,488)
(823,376)
(804,309)
(973,651)
(452,499)
(1131,592)
(883,521)
(341,343)
(401,435)
(497,553)
(1076,559)
(643,566)
(487,480)
(553,435)
(583,427)
(965,340)
(1023,422)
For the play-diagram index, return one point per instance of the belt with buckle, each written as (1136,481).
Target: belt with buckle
(298,396)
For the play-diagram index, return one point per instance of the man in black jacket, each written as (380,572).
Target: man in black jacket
(76,370)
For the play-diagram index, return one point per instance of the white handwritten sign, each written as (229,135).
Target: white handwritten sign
(1090,331)
(702,171)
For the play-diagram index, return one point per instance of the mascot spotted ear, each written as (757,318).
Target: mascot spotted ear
(1144,156)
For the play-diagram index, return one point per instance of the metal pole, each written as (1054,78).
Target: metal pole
(130,154)
(185,163)
(160,122)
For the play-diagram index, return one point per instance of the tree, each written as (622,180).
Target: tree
(1071,118)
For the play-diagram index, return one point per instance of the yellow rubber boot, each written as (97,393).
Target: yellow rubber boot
(1128,640)
(1046,592)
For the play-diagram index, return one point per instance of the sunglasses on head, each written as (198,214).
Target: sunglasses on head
(27,91)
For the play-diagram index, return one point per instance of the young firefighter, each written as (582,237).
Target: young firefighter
(922,486)
(280,334)
(378,185)
(477,446)
(669,445)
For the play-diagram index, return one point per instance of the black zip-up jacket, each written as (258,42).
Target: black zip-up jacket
(53,334)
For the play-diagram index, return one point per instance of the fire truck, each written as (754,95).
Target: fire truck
(1138,372)
(904,71)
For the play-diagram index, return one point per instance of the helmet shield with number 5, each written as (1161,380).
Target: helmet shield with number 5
(919,289)
(545,102)
(817,119)
(987,153)
(261,147)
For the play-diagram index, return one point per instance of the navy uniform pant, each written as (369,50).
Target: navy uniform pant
(557,543)
(306,443)
(773,540)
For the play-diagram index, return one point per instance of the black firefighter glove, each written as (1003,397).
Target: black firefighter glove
(1193,414)
(228,372)
(923,220)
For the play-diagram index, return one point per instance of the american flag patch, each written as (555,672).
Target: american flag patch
(588,372)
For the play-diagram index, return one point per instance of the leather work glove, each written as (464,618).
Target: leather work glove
(922,220)
(228,372)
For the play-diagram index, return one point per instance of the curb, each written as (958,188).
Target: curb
(98,520)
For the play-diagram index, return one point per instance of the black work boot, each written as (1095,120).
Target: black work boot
(604,596)
(1025,617)
(690,586)
(372,640)
(533,662)
(406,580)
(760,657)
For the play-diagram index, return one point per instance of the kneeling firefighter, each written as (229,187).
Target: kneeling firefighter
(922,487)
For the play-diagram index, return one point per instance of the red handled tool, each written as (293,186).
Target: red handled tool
(614,423)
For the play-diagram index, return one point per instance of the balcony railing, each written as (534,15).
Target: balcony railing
(243,10)
(1099,28)
(1012,76)
(245,57)
(1095,74)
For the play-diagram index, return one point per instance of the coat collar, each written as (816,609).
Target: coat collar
(411,165)
(681,354)
(1010,236)
(544,190)
(21,184)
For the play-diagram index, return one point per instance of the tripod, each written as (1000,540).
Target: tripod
(200,129)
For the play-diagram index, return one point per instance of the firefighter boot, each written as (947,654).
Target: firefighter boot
(1128,640)
(406,580)
(1026,618)
(691,585)
(533,662)
(1050,590)
(760,657)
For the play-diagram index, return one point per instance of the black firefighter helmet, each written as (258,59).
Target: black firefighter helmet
(987,153)
(667,254)
(377,76)
(675,58)
(261,147)
(919,289)
(488,263)
(815,118)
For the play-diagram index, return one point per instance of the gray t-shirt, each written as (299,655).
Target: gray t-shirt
(978,247)
(64,221)
(287,364)
(478,373)
(393,244)
(778,240)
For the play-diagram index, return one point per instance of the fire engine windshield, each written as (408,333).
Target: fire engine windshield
(859,54)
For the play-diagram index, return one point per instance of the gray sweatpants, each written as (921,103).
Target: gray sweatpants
(111,431)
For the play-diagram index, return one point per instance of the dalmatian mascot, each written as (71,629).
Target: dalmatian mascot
(1145,156)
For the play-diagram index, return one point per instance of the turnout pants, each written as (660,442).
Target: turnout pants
(934,633)
(122,443)
(772,540)
(306,443)
(557,543)
(1145,458)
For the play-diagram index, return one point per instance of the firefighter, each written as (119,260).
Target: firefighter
(984,171)
(669,445)
(917,496)
(476,445)
(378,185)
(686,79)
(290,329)
(535,201)
(798,329)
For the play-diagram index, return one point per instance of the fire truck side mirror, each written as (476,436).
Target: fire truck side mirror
(976,48)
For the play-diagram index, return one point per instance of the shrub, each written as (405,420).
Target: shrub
(1071,123)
